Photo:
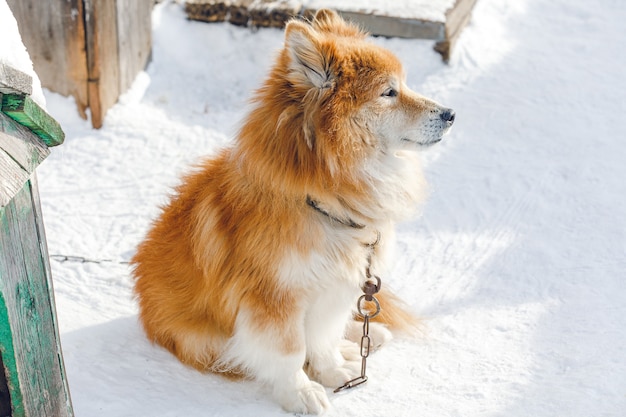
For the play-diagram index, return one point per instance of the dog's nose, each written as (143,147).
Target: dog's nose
(448,116)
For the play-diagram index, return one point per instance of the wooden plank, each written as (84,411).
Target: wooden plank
(13,128)
(13,81)
(12,178)
(26,112)
(45,255)
(102,58)
(24,286)
(377,21)
(13,394)
(27,152)
(18,159)
(53,31)
(391,26)
(457,18)
(134,34)
(5,392)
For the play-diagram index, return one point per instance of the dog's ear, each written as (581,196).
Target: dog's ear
(308,66)
(326,20)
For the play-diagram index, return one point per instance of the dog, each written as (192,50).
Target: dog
(254,267)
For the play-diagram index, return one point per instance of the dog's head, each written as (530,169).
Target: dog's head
(353,94)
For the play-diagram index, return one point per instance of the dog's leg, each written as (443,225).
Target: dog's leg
(274,353)
(331,360)
(379,334)
(350,350)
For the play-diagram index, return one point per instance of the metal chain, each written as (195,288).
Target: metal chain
(369,288)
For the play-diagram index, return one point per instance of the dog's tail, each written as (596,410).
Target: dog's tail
(394,313)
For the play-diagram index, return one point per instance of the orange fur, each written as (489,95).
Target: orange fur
(218,252)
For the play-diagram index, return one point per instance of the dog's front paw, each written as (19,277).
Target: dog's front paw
(308,398)
(379,334)
(350,350)
(337,376)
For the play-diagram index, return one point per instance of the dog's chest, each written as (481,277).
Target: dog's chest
(340,259)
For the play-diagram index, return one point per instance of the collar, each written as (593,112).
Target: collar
(349,222)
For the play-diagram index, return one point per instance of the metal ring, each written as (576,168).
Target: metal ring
(369,288)
(358,306)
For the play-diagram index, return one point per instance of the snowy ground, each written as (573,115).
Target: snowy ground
(517,265)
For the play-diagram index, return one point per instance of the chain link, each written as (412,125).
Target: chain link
(369,288)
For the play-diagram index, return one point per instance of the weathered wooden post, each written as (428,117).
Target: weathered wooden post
(32,374)
(89,49)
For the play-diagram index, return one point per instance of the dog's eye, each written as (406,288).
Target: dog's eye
(390,92)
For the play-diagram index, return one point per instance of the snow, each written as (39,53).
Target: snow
(13,52)
(516,265)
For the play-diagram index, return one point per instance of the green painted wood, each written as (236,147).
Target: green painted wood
(15,404)
(20,153)
(5,397)
(45,255)
(25,286)
(26,112)
(32,373)
(13,128)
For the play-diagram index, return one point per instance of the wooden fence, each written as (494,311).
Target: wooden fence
(89,49)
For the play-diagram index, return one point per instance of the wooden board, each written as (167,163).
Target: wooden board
(275,13)
(9,364)
(134,37)
(89,49)
(27,152)
(20,153)
(30,350)
(12,178)
(18,160)
(456,19)
(396,27)
(54,34)
(13,81)
(102,58)
(26,112)
(5,393)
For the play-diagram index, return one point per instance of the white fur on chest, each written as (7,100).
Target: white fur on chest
(339,259)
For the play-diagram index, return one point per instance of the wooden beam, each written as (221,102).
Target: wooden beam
(457,17)
(35,361)
(102,58)
(26,112)
(5,391)
(25,151)
(54,34)
(395,27)
(274,13)
(12,178)
(134,38)
(20,153)
(13,81)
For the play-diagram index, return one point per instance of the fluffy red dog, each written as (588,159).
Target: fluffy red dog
(255,266)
